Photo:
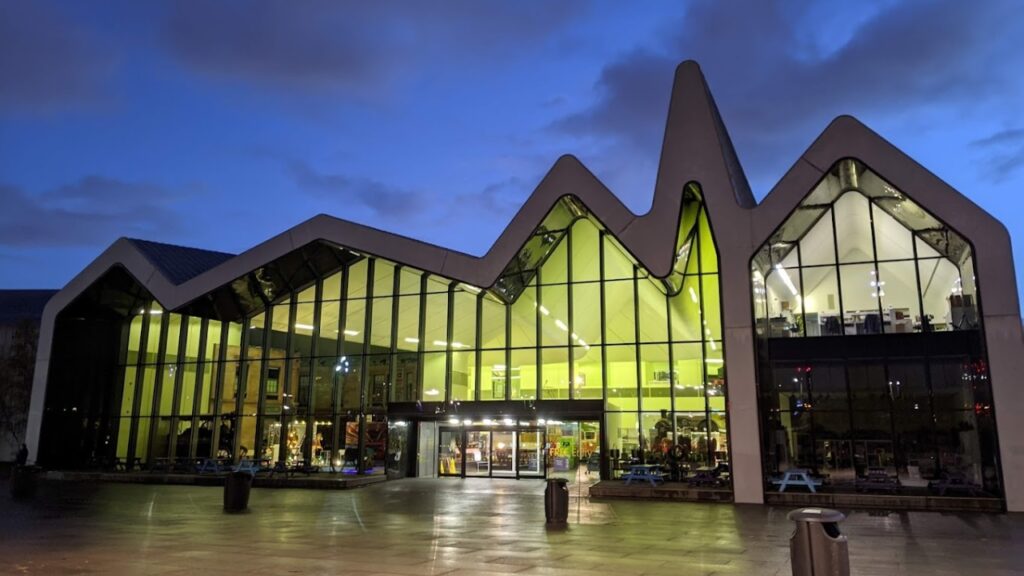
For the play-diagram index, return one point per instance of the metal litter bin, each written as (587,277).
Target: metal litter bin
(556,501)
(817,548)
(237,486)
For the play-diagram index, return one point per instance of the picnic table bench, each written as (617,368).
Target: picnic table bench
(878,480)
(645,472)
(797,477)
(956,481)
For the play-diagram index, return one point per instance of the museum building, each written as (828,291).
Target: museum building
(861,322)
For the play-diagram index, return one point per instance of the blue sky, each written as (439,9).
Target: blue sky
(218,124)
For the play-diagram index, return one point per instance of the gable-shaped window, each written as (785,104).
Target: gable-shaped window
(858,256)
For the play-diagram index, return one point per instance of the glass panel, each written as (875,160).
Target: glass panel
(964,300)
(892,239)
(383,278)
(493,322)
(951,379)
(898,292)
(523,374)
(554,319)
(188,389)
(207,399)
(821,302)
(714,373)
(555,373)
(524,318)
(708,254)
(463,375)
(530,457)
(134,339)
(556,268)
(478,453)
(657,378)
(407,369)
(503,444)
(784,304)
(818,245)
(587,362)
(166,407)
(688,377)
(408,323)
(586,251)
(712,313)
(436,330)
(493,372)
(355,324)
(869,389)
(434,369)
(348,370)
(279,330)
(146,393)
(617,264)
(939,279)
(229,387)
(450,457)
(153,338)
(860,299)
(853,228)
(380,332)
(623,438)
(652,313)
(586,325)
(464,320)
(409,281)
(377,370)
(327,343)
(274,386)
(357,280)
(620,312)
(622,383)
(195,329)
(332,287)
(685,310)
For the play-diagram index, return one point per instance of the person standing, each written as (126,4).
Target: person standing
(22,457)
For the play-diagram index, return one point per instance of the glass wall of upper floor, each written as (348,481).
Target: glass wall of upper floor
(858,256)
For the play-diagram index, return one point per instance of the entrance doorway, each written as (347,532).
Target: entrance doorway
(491,453)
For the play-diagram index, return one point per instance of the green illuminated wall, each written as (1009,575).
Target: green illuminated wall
(574,316)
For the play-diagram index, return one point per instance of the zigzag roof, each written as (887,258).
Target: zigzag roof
(696,148)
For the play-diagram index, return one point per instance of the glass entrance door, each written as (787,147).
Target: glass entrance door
(478,453)
(529,461)
(504,457)
(449,459)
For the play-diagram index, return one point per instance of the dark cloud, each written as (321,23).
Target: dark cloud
(1004,153)
(329,45)
(92,211)
(379,197)
(1002,137)
(779,78)
(46,62)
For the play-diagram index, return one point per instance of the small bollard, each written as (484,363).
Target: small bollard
(556,501)
(236,491)
(817,548)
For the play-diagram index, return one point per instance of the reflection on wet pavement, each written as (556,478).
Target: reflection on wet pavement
(458,527)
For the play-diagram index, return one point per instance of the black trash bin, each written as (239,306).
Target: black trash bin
(556,501)
(23,481)
(236,491)
(817,547)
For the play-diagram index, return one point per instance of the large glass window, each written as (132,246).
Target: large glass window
(899,270)
(574,317)
(859,258)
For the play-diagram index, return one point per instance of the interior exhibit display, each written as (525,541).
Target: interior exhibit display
(857,331)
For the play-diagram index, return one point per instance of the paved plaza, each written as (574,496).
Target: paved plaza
(456,527)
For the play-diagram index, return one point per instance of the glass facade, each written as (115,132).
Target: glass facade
(872,369)
(312,374)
